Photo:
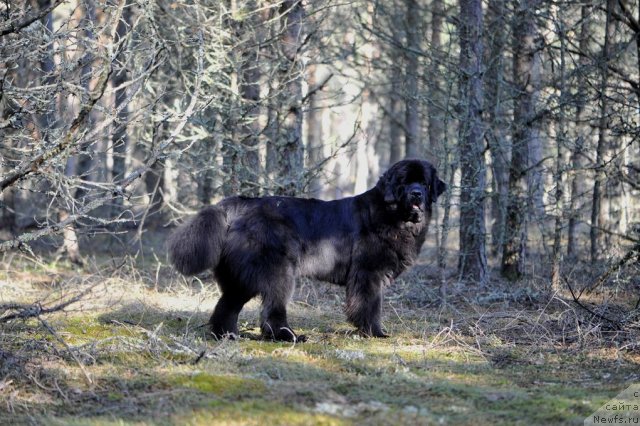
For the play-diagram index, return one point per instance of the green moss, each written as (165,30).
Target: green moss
(540,407)
(256,413)
(261,347)
(88,421)
(224,386)
(127,359)
(87,328)
(115,396)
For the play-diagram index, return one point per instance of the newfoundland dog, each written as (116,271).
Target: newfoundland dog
(258,246)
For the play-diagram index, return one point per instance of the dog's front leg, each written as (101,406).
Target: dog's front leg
(364,304)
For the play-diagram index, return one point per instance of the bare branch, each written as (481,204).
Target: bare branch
(68,140)
(633,252)
(14,27)
(317,88)
(119,191)
(576,300)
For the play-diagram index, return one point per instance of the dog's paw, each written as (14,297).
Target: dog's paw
(225,336)
(284,334)
(373,332)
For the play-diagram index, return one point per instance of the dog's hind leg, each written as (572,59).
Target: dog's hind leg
(224,321)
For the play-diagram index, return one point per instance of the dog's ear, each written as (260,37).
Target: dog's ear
(436,186)
(385,185)
(389,196)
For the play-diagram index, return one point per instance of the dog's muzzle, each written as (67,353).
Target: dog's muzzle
(416,199)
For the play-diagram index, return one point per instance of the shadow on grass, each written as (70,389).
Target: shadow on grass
(263,385)
(143,373)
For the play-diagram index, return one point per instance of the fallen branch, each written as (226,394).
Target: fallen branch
(35,310)
(576,300)
(633,252)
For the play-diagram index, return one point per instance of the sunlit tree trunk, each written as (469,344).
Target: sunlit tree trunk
(154,179)
(289,116)
(315,136)
(361,159)
(80,164)
(120,138)
(249,87)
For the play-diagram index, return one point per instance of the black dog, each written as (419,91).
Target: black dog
(258,246)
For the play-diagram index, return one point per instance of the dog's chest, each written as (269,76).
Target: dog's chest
(389,252)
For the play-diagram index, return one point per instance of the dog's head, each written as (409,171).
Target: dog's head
(410,187)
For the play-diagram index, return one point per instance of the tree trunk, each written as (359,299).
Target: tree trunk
(582,133)
(7,209)
(362,166)
(499,120)
(249,129)
(396,116)
(315,136)
(368,114)
(395,129)
(80,165)
(120,138)
(472,261)
(526,77)
(556,258)
(597,214)
(289,138)
(436,98)
(412,68)
(154,178)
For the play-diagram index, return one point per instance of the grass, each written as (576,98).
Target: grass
(134,352)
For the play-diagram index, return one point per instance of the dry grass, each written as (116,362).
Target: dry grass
(134,351)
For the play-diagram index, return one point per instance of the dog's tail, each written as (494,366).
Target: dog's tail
(196,245)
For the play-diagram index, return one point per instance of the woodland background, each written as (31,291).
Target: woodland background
(120,118)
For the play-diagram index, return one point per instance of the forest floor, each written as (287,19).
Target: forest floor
(133,350)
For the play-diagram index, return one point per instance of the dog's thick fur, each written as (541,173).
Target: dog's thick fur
(258,246)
